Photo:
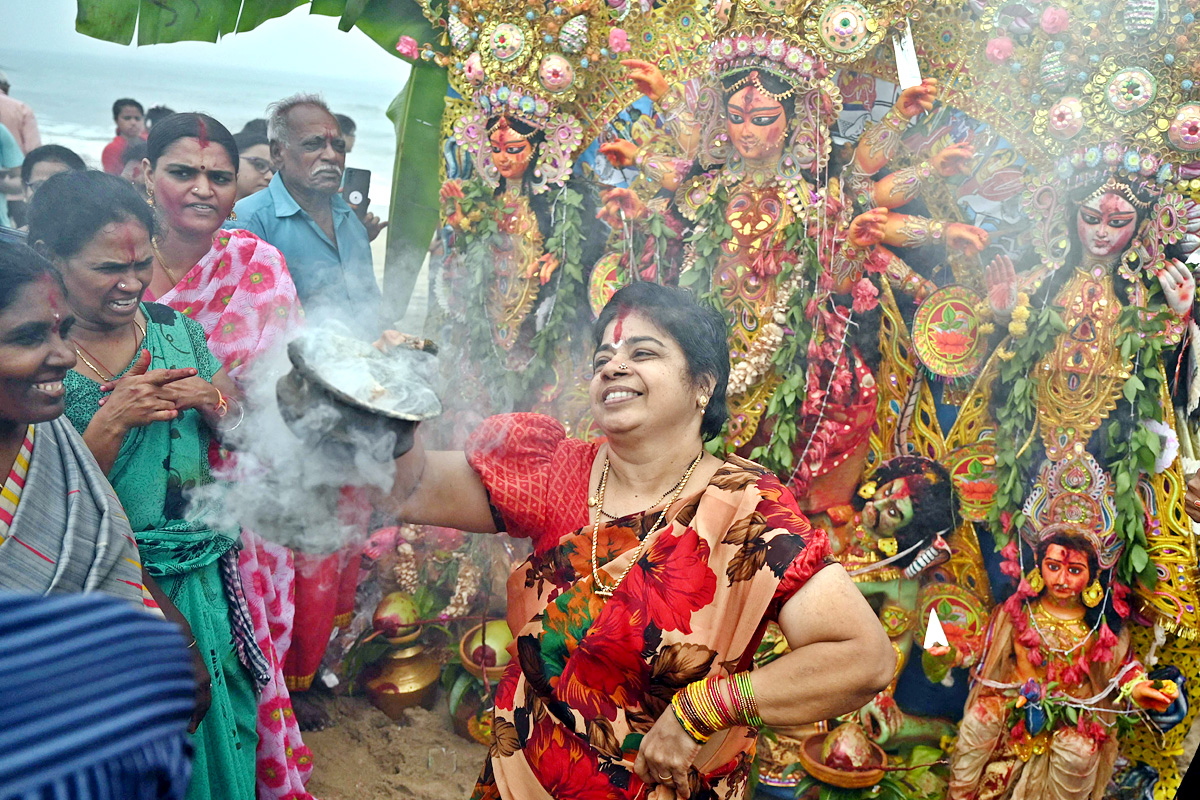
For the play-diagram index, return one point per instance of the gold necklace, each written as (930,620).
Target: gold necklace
(112,376)
(593,500)
(162,262)
(602,588)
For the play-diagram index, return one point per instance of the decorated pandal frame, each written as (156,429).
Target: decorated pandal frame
(1049,416)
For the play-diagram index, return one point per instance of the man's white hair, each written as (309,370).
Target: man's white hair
(277,114)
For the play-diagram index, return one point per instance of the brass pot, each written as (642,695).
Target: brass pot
(403,679)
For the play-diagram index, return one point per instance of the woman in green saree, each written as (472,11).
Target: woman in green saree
(147,395)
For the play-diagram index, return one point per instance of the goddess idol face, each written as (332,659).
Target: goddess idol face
(1106,224)
(756,123)
(511,152)
(1065,572)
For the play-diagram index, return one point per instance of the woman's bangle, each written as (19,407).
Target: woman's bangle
(192,643)
(716,703)
(222,404)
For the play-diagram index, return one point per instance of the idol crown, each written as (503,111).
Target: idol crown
(531,60)
(795,40)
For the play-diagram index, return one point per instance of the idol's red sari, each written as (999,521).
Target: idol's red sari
(592,674)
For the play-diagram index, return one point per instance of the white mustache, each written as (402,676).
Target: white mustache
(324,170)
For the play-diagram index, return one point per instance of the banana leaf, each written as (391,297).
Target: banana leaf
(417,115)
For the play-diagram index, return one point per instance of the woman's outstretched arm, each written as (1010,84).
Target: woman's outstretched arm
(439,488)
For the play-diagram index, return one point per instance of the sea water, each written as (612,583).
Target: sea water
(72,96)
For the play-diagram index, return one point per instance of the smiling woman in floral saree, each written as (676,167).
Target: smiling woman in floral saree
(623,617)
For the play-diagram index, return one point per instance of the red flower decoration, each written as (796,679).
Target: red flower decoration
(566,766)
(866,296)
(671,581)
(607,671)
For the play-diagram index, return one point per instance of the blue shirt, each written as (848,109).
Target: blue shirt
(10,158)
(336,277)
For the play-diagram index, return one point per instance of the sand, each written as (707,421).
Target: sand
(367,756)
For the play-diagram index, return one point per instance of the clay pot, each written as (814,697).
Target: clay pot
(810,759)
(403,679)
(470,665)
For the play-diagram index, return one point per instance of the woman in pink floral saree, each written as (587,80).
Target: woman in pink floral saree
(655,568)
(238,288)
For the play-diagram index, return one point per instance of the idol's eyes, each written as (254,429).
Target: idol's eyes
(736,119)
(1093,218)
(765,120)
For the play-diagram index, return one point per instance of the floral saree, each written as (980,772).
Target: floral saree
(591,675)
(243,296)
(241,293)
(195,565)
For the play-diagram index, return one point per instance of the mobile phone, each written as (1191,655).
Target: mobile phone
(356,187)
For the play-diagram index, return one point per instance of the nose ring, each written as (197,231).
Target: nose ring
(121,286)
(623,366)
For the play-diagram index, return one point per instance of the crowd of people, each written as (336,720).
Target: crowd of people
(130,314)
(129,317)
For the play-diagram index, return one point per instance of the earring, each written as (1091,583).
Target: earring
(232,215)
(703,401)
(1093,594)
(1035,580)
(150,199)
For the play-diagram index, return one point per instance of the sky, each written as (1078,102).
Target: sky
(287,43)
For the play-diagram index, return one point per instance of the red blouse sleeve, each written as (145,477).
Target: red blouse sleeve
(779,508)
(535,476)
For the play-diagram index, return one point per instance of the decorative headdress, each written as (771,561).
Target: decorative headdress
(1074,496)
(795,42)
(551,64)
(1137,173)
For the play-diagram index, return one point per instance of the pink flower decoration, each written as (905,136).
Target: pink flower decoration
(999,49)
(407,47)
(618,40)
(866,296)
(1055,19)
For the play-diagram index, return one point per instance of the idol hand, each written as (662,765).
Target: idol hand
(968,238)
(620,154)
(953,160)
(1178,285)
(866,230)
(620,206)
(915,99)
(647,78)
(1002,286)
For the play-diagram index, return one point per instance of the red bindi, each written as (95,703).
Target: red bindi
(621,315)
(130,244)
(202,134)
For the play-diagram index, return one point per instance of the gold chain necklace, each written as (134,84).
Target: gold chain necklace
(602,588)
(111,376)
(593,500)
(162,262)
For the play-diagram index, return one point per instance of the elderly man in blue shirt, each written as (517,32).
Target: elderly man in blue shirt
(301,213)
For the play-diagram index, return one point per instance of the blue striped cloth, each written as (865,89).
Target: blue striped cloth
(95,698)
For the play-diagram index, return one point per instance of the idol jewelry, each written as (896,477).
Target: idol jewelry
(602,588)
(1093,594)
(1035,580)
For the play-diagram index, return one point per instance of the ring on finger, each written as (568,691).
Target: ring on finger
(662,779)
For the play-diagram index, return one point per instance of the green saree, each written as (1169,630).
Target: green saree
(152,474)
